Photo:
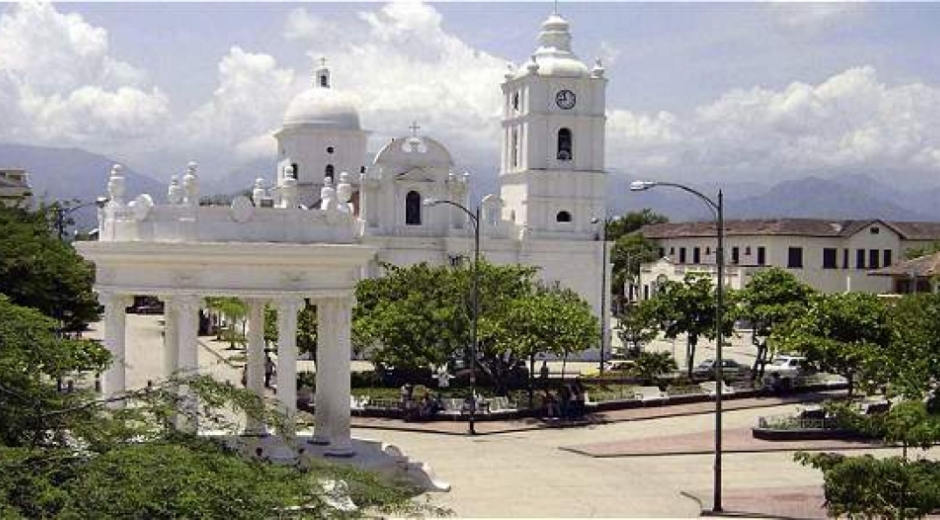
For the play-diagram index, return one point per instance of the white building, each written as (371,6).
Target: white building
(14,188)
(552,178)
(829,255)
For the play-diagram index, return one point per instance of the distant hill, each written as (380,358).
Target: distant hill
(73,173)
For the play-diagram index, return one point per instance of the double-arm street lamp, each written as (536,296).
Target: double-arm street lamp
(474,217)
(717,208)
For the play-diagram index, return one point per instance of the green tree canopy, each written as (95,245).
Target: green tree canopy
(420,316)
(638,325)
(40,271)
(770,300)
(846,334)
(688,307)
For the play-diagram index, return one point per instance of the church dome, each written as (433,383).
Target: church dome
(554,56)
(322,106)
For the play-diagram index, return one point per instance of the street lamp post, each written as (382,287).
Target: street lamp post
(603,236)
(717,207)
(475,299)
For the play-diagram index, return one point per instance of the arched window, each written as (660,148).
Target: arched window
(328,172)
(564,145)
(515,101)
(413,208)
(563,216)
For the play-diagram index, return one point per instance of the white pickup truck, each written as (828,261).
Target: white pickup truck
(783,371)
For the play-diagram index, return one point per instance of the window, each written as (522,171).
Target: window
(681,255)
(874,230)
(697,255)
(860,259)
(413,208)
(795,258)
(747,251)
(887,262)
(564,145)
(874,258)
(672,251)
(708,250)
(662,252)
(761,255)
(829,258)
(563,216)
(735,255)
(362,169)
(515,101)
(328,172)
(845,258)
(296,170)
(329,149)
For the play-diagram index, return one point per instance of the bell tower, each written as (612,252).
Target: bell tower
(552,176)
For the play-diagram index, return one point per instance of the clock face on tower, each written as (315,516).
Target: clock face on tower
(565,99)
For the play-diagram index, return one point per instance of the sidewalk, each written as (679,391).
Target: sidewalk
(611,416)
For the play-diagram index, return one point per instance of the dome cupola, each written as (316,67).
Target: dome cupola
(322,106)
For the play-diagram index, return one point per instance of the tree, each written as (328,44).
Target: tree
(420,316)
(630,248)
(638,325)
(771,299)
(69,456)
(632,222)
(651,365)
(688,307)
(909,367)
(40,271)
(552,320)
(235,312)
(846,334)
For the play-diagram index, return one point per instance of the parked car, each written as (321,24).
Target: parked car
(730,370)
(783,371)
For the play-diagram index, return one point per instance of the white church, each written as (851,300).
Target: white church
(552,178)
(331,220)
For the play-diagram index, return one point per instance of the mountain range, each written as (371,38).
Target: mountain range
(73,173)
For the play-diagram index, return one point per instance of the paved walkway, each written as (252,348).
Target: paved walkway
(612,416)
(738,440)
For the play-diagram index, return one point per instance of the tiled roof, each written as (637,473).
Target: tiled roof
(791,227)
(921,267)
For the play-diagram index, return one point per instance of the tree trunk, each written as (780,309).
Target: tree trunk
(760,360)
(564,363)
(850,381)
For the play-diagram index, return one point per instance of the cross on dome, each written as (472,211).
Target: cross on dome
(414,128)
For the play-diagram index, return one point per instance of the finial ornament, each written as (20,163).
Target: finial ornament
(116,184)
(190,185)
(174,193)
(414,128)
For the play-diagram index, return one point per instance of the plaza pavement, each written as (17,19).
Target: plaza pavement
(535,471)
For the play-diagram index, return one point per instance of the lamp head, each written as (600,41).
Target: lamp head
(101,201)
(641,185)
(430,201)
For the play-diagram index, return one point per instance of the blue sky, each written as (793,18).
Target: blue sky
(720,91)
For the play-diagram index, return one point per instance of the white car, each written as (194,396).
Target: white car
(783,371)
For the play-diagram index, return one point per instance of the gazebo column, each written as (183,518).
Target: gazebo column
(170,337)
(321,402)
(115,317)
(338,364)
(187,328)
(287,309)
(256,357)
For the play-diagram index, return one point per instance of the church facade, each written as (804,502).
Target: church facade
(551,202)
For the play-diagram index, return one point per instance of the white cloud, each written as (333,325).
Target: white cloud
(61,84)
(245,108)
(850,123)
(403,65)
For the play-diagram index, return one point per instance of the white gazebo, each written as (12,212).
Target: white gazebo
(280,254)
